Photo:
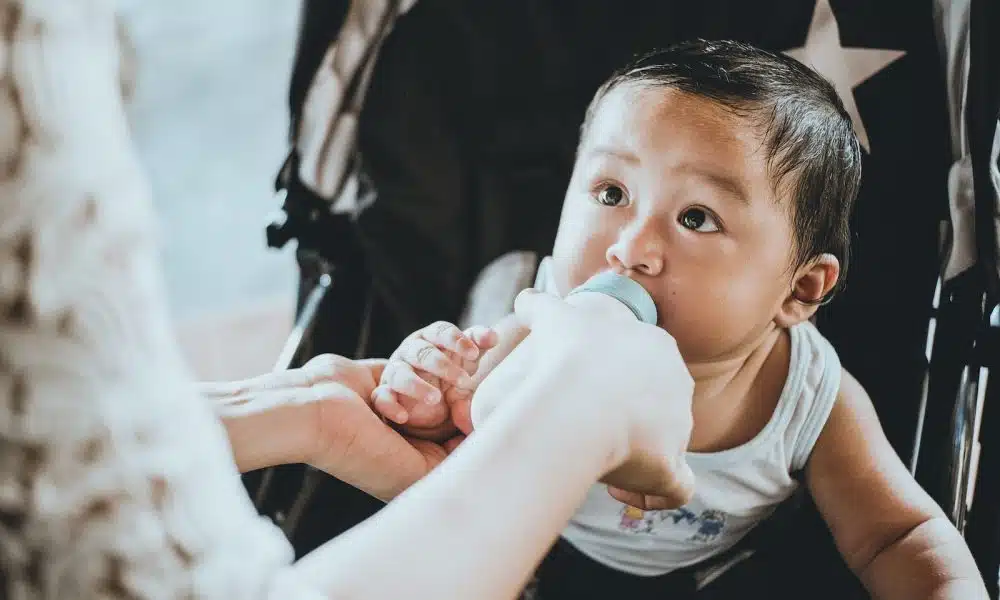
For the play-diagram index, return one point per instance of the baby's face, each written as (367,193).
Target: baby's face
(674,191)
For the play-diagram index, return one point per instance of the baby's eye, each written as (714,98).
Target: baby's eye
(611,195)
(700,220)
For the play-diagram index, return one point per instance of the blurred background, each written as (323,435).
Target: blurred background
(210,119)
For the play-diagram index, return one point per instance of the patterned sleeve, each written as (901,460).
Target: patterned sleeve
(116,481)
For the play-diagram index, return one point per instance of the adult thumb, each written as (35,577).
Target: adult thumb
(533,306)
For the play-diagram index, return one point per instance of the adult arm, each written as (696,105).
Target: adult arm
(269,419)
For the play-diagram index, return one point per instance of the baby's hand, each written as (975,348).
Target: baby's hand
(429,373)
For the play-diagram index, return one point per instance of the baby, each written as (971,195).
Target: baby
(721,178)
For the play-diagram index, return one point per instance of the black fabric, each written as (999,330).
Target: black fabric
(469,131)
(795,560)
(568,574)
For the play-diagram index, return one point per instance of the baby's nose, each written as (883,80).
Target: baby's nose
(638,254)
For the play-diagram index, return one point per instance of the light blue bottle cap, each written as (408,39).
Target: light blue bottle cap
(625,290)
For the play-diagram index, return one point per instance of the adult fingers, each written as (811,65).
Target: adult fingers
(534,307)
(631,498)
(679,493)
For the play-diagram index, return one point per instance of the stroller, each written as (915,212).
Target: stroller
(431,187)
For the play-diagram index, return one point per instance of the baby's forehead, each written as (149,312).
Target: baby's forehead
(637,108)
(657,122)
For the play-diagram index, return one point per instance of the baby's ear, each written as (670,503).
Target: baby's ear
(813,281)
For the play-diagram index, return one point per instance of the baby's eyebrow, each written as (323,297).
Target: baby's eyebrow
(727,184)
(619,153)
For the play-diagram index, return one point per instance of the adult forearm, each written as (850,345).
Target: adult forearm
(932,561)
(263,430)
(451,535)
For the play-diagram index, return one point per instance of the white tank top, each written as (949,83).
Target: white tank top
(736,489)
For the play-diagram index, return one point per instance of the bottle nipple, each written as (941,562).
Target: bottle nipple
(623,289)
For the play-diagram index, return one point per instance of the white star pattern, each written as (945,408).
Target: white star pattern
(845,68)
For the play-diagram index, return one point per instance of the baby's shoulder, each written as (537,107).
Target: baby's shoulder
(809,349)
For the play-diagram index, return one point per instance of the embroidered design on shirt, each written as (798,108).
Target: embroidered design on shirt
(680,514)
(711,523)
(704,527)
(636,520)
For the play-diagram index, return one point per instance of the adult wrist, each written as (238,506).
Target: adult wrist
(534,391)
(598,437)
(264,429)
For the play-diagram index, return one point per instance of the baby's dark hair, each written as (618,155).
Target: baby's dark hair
(807,131)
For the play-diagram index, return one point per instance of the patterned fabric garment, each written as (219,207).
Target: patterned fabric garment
(116,479)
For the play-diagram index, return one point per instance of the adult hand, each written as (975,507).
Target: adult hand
(617,378)
(319,415)
(356,446)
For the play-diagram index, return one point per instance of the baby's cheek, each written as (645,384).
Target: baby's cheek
(567,274)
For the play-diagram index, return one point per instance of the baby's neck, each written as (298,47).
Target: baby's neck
(714,376)
(734,397)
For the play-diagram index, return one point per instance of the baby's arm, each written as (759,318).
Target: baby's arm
(888,529)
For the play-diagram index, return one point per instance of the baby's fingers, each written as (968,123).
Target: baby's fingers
(484,337)
(461,415)
(448,337)
(386,404)
(424,355)
(400,378)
